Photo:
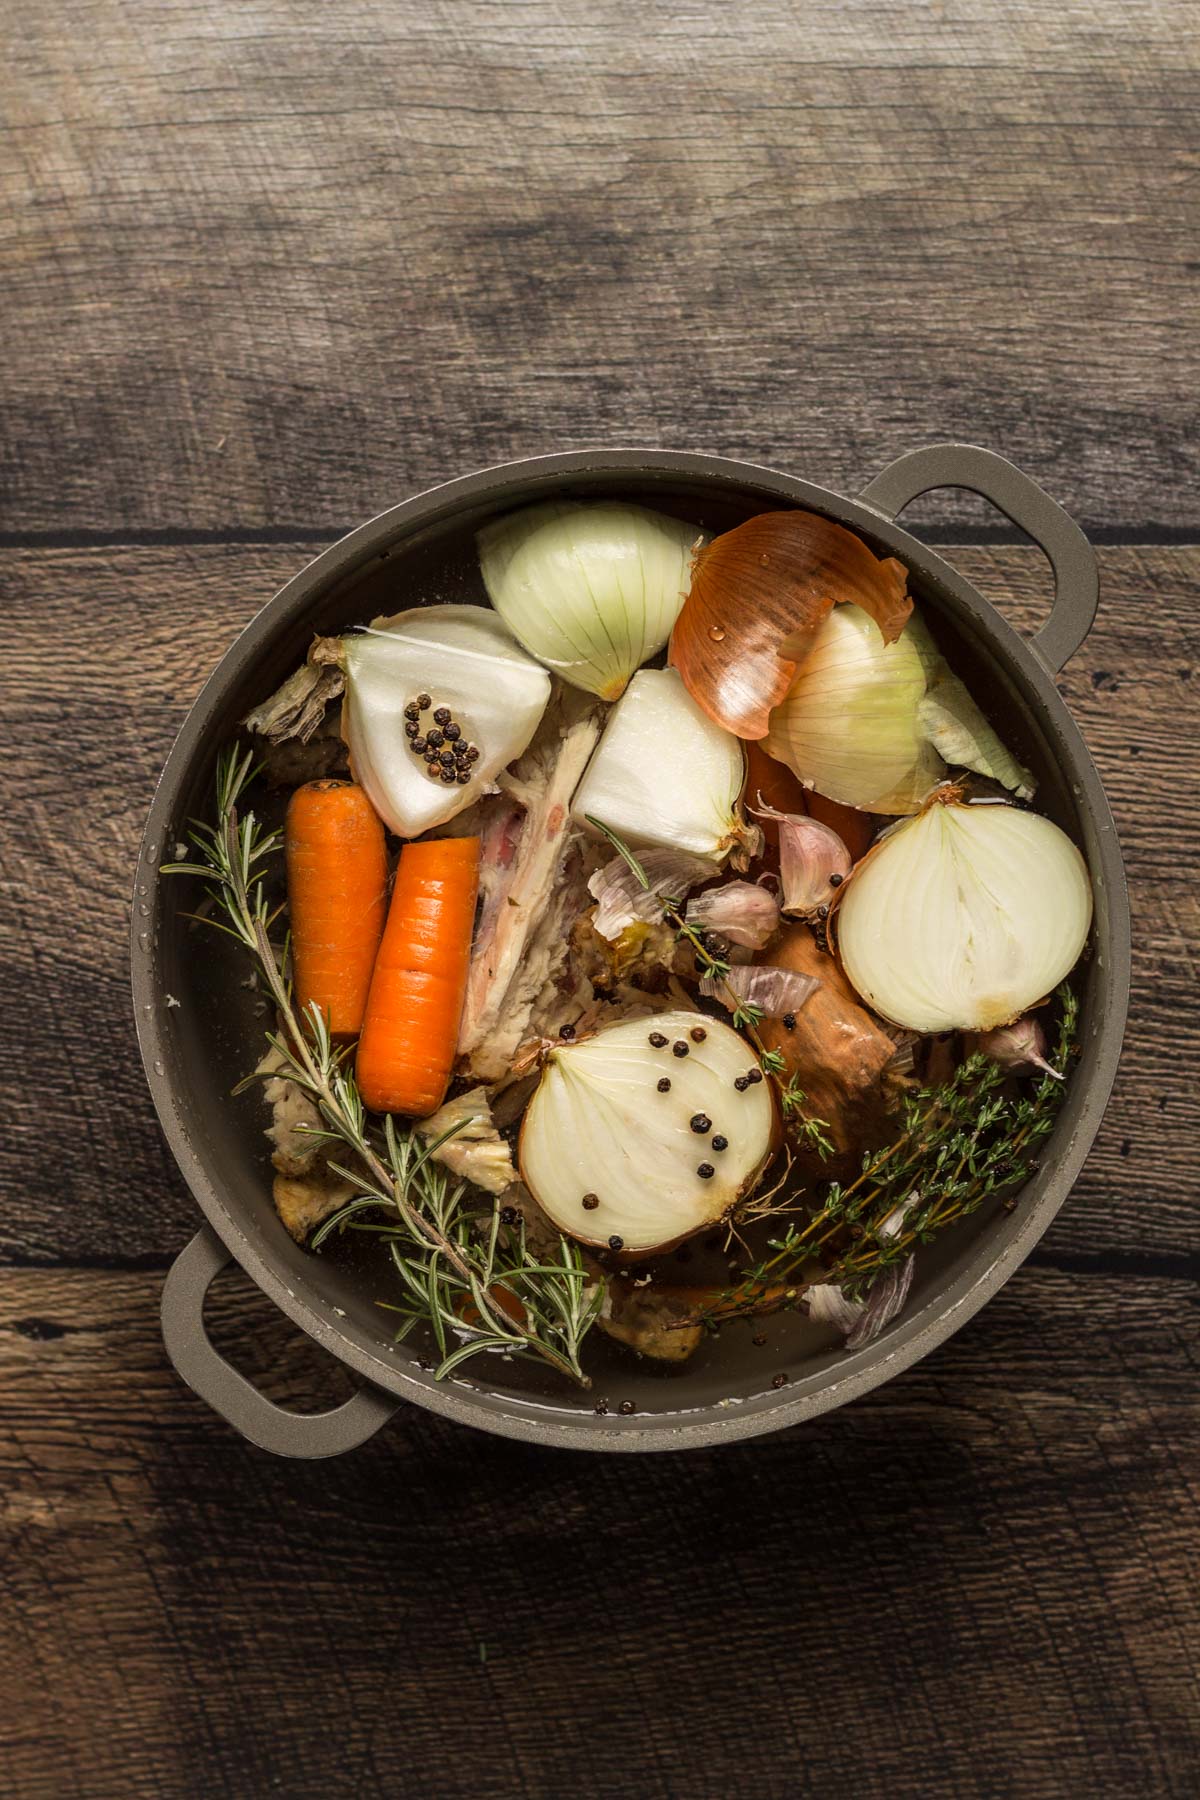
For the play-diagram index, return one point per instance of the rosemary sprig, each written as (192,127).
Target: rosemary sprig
(743,1017)
(961,1144)
(463,1262)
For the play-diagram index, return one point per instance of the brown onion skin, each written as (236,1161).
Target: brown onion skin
(758,596)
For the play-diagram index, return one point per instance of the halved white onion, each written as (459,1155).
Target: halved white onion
(664,775)
(591,590)
(964,917)
(465,658)
(598,1129)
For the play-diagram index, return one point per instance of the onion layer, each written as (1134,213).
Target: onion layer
(664,775)
(591,591)
(964,917)
(759,594)
(615,1159)
(465,659)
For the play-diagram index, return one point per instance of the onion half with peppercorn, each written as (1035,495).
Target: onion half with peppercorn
(647,1132)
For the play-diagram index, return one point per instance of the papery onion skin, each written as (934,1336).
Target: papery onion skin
(663,774)
(591,590)
(758,596)
(621,900)
(848,725)
(964,917)
(775,991)
(598,1126)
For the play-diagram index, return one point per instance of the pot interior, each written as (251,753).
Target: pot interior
(213,1034)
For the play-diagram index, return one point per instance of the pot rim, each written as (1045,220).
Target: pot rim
(538,1420)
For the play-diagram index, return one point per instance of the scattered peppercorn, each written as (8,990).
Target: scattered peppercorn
(627,1407)
(567,1032)
(435,738)
(679,1048)
(420,745)
(741,1083)
(836,880)
(759,1338)
(720,1143)
(453,731)
(410,728)
(448,776)
(472,753)
(446,758)
(664,1086)
(509,1215)
(705,1171)
(601,1407)
(423,701)
(463,776)
(590,1202)
(822,912)
(442,716)
(615,1242)
(697,1034)
(657,1039)
(701,1122)
(789,1021)
(431,754)
(412,710)
(753,1075)
(778,1381)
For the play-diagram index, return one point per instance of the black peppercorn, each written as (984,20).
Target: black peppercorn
(777,1381)
(472,753)
(435,738)
(822,912)
(836,880)
(720,1143)
(431,754)
(789,1021)
(448,776)
(566,1033)
(442,716)
(705,1171)
(679,1048)
(601,1407)
(657,1039)
(463,776)
(453,731)
(590,1202)
(509,1215)
(759,1338)
(664,1086)
(446,758)
(410,728)
(699,964)
(412,710)
(615,1242)
(420,745)
(424,701)
(753,1074)
(701,1122)
(627,1407)
(697,1034)
(741,1083)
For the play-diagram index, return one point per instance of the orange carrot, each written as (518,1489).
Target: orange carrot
(337,898)
(409,1035)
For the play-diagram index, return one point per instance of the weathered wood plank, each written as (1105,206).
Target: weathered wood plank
(289,265)
(101,658)
(975,1582)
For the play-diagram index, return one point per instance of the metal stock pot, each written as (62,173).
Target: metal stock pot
(195,1051)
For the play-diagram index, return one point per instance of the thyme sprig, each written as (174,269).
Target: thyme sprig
(804,1130)
(465,1267)
(961,1144)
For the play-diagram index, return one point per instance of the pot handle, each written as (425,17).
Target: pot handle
(1012,492)
(238,1402)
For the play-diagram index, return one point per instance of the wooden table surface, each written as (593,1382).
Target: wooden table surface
(268,269)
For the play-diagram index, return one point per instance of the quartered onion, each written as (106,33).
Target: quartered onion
(592,591)
(758,597)
(616,1159)
(664,775)
(964,917)
(464,659)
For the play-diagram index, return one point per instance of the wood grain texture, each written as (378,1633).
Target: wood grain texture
(971,1582)
(286,265)
(91,1177)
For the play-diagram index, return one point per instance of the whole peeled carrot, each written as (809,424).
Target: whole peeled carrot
(337,898)
(410,1032)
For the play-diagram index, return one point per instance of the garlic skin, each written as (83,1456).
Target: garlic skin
(664,776)
(464,658)
(1020,1048)
(745,912)
(774,991)
(621,900)
(964,917)
(813,861)
(591,590)
(599,1128)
